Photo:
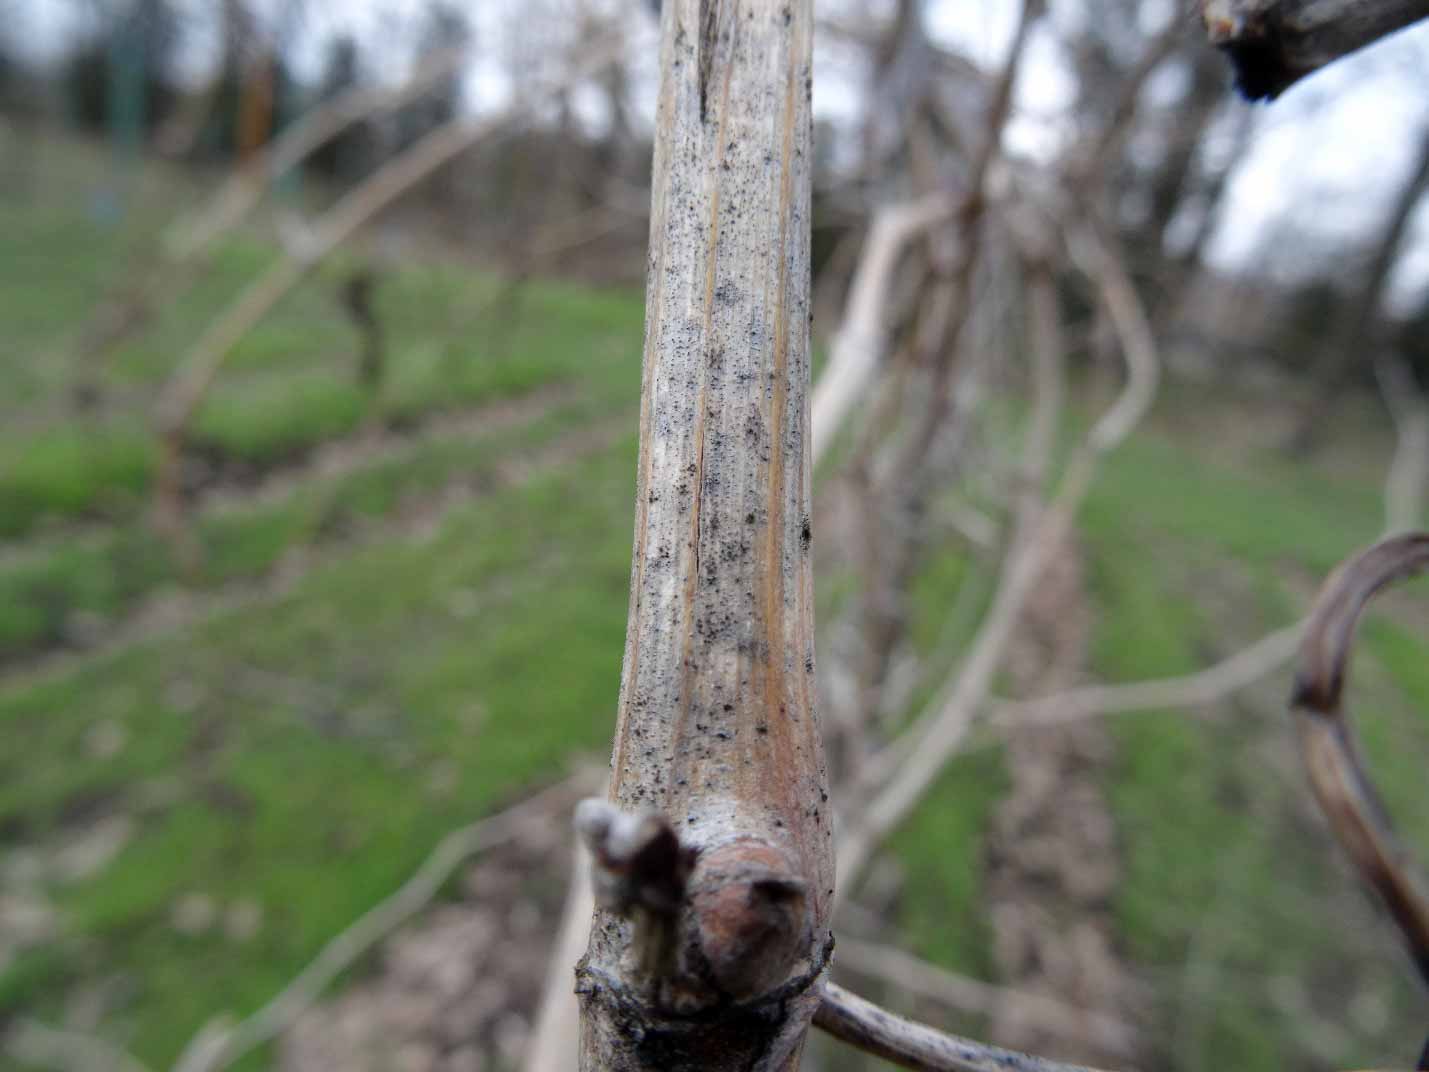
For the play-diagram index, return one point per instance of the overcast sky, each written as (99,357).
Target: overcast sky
(1322,161)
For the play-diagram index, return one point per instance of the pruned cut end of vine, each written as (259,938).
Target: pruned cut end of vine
(1272,44)
(638,859)
(1251,40)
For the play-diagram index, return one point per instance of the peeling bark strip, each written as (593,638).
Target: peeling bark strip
(717,730)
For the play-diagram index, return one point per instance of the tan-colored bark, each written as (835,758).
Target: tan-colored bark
(714,866)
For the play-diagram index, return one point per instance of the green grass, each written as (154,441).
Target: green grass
(1220,900)
(940,849)
(106,575)
(271,778)
(309,726)
(1216,864)
(41,594)
(265,421)
(1262,510)
(455,339)
(72,472)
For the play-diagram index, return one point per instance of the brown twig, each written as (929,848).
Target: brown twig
(938,735)
(357,299)
(1199,689)
(951,305)
(1341,784)
(1048,381)
(1102,151)
(960,992)
(862,336)
(1207,686)
(864,1025)
(937,346)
